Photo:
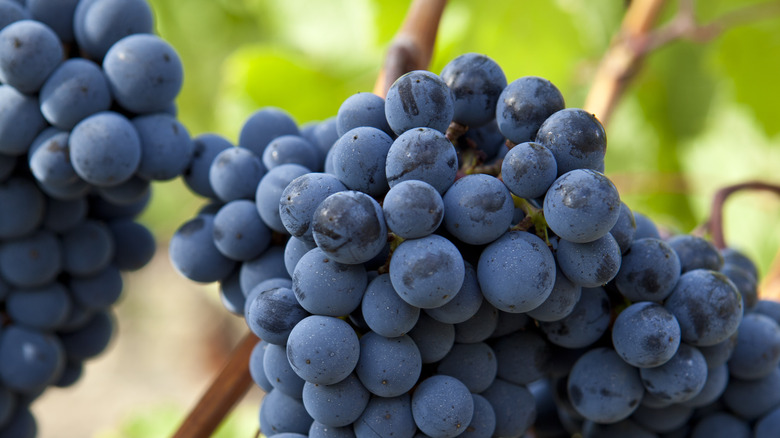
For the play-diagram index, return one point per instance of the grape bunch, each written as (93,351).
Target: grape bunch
(87,121)
(451,261)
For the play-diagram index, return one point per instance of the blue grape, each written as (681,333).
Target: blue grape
(103,209)
(280,413)
(422,154)
(582,206)
(645,227)
(20,121)
(301,197)
(105,149)
(478,209)
(166,147)
(327,287)
(603,388)
(476,82)
(662,420)
(57,14)
(99,24)
(362,110)
(256,369)
(269,192)
(513,405)
(359,158)
(350,227)
(589,264)
(293,251)
(78,318)
(272,313)
(325,135)
(7,406)
(323,349)
(384,417)
(522,357)
(649,270)
(75,90)
(757,352)
(467,301)
(231,295)
(696,253)
(734,257)
(91,339)
(576,138)
(516,272)
(12,11)
(479,327)
(717,380)
(678,379)
(529,169)
(29,359)
(44,308)
(524,105)
(68,192)
(269,265)
(21,425)
(586,323)
(384,311)
(144,72)
(621,429)
(475,365)
(768,425)
(427,272)
(134,244)
(560,302)
(264,125)
(7,166)
(646,335)
(29,53)
(87,248)
(49,159)
(205,148)
(419,99)
(624,229)
(707,306)
(752,399)
(720,425)
(239,233)
(127,192)
(718,354)
(388,367)
(438,419)
(291,149)
(413,209)
(23,209)
(235,174)
(319,430)
(434,339)
(769,308)
(487,139)
(746,284)
(31,261)
(336,405)
(98,291)
(278,371)
(483,422)
(193,253)
(509,323)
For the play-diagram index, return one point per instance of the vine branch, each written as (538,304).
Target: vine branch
(715,224)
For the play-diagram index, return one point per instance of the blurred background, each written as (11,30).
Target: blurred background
(696,117)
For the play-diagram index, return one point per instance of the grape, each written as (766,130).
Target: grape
(434,339)
(524,105)
(349,227)
(438,419)
(20,121)
(646,335)
(231,295)
(235,174)
(645,227)
(479,209)
(166,147)
(476,82)
(98,291)
(134,244)
(98,24)
(324,135)
(291,149)
(21,425)
(7,165)
(528,170)
(746,284)
(362,110)
(301,198)
(388,367)
(30,359)
(586,323)
(718,354)
(239,233)
(582,206)
(734,257)
(696,253)
(336,405)
(717,379)
(422,154)
(29,53)
(263,126)
(649,270)
(680,378)
(419,99)
(105,149)
(319,430)
(23,208)
(293,251)
(472,364)
(466,304)
(49,159)
(31,261)
(752,399)
(57,14)
(359,158)
(270,190)
(385,417)
(768,425)
(589,264)
(144,73)
(413,209)
(621,429)
(483,422)
(624,230)
(662,420)
(277,370)
(522,357)
(513,405)
(384,311)
(707,306)
(427,272)
(7,406)
(205,148)
(516,272)
(479,327)
(269,265)
(75,90)
(273,313)
(487,139)
(322,349)
(90,339)
(757,352)
(11,11)
(720,425)
(327,287)
(509,323)
(87,248)
(44,308)
(281,413)
(603,388)
(193,253)
(576,138)
(560,302)
(127,192)
(769,308)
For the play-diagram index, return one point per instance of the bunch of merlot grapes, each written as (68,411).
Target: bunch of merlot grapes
(451,261)
(86,123)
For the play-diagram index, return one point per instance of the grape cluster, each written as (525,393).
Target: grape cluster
(451,261)
(86,122)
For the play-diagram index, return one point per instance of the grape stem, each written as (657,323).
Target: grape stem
(715,224)
(534,217)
